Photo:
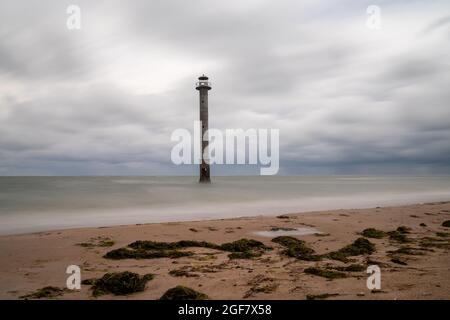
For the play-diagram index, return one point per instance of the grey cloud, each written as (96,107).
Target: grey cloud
(343,102)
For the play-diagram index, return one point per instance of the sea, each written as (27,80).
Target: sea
(36,204)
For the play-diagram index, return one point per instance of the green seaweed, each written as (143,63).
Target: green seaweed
(244,255)
(182,273)
(329,274)
(399,261)
(45,292)
(244,248)
(350,268)
(282,229)
(443,234)
(408,251)
(430,242)
(126,253)
(119,283)
(154,245)
(97,242)
(243,245)
(399,236)
(359,247)
(320,296)
(373,233)
(296,248)
(404,229)
(183,293)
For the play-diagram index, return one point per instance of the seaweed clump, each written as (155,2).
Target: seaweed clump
(320,296)
(443,234)
(154,245)
(118,283)
(154,250)
(446,224)
(182,273)
(400,234)
(430,242)
(351,268)
(329,274)
(240,249)
(97,242)
(373,233)
(296,248)
(126,253)
(46,292)
(183,293)
(359,247)
(244,248)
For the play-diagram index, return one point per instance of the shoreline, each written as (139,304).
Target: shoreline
(34,260)
(141,216)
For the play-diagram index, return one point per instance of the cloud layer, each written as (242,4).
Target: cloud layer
(105,99)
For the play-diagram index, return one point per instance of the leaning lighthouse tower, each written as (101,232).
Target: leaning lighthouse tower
(203,86)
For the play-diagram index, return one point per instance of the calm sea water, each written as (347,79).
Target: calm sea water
(29,204)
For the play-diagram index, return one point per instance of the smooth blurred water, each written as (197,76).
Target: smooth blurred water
(30,204)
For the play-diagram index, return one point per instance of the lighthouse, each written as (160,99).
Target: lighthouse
(203,86)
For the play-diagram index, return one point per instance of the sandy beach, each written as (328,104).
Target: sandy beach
(419,270)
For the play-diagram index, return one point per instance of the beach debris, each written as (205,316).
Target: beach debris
(360,246)
(240,249)
(182,273)
(399,261)
(378,263)
(183,293)
(260,284)
(282,229)
(422,224)
(377,291)
(409,251)
(400,235)
(206,257)
(351,268)
(320,296)
(127,253)
(446,224)
(245,255)
(189,269)
(296,248)
(154,245)
(244,248)
(404,229)
(45,292)
(431,242)
(443,234)
(329,274)
(118,283)
(283,217)
(373,233)
(97,242)
(193,230)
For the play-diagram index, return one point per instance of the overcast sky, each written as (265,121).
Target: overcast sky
(105,99)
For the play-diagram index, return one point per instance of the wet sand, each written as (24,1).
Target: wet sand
(32,261)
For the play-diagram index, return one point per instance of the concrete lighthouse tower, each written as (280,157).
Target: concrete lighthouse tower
(203,86)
